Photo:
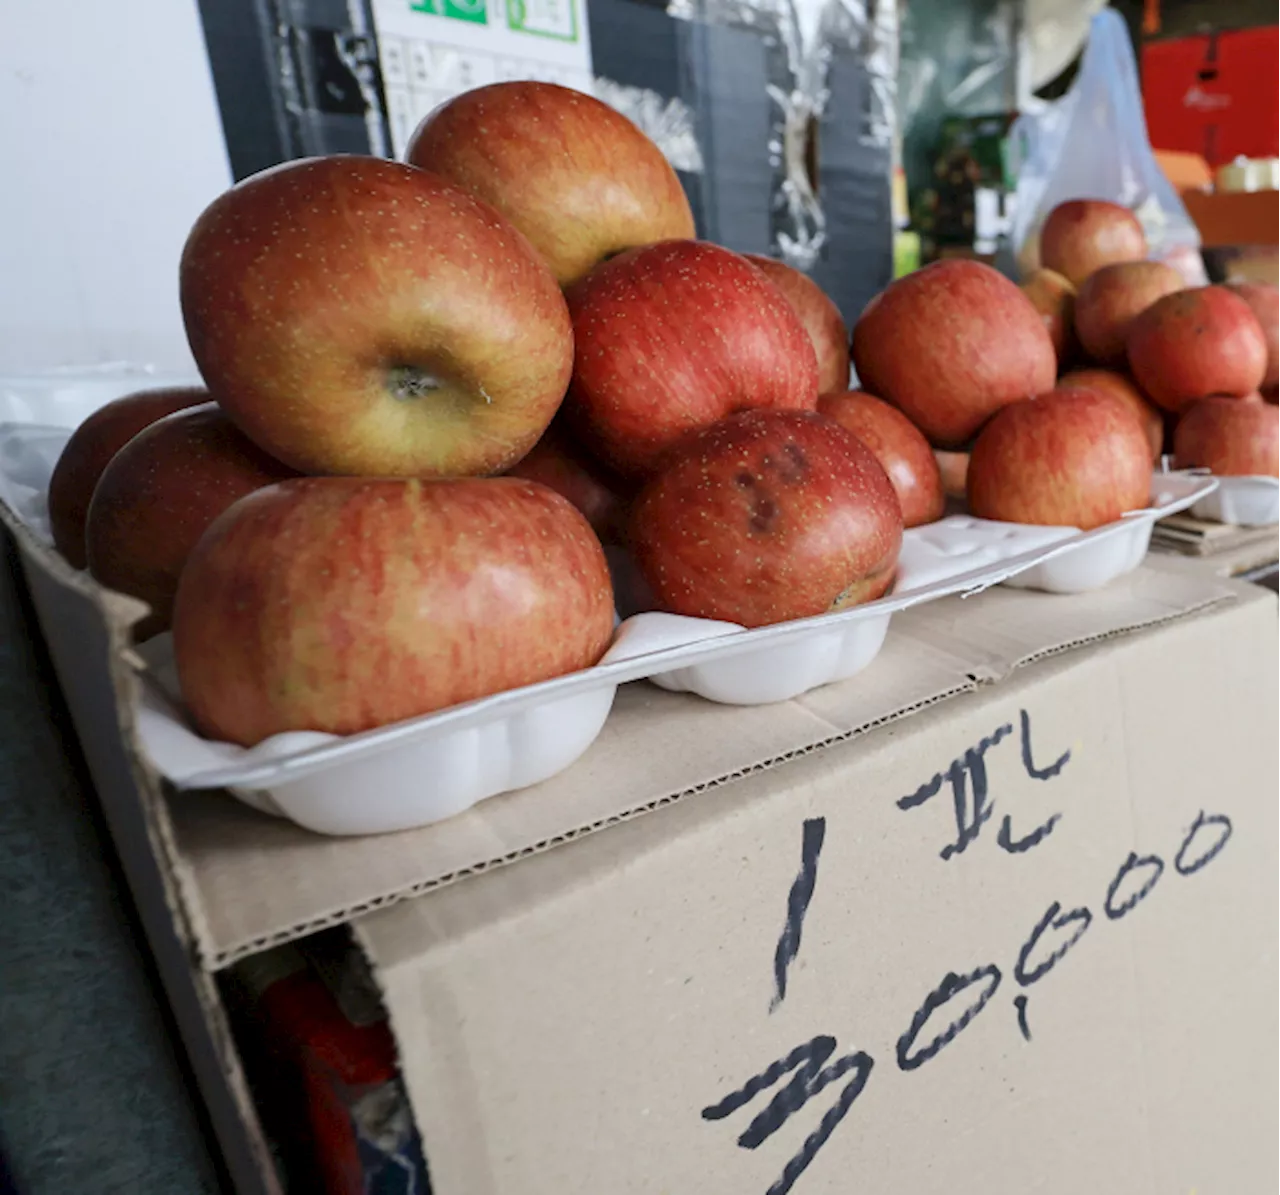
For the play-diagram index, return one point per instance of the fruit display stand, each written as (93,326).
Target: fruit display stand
(605,979)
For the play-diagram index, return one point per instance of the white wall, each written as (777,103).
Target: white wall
(106,159)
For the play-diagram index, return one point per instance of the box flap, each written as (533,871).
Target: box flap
(254,881)
(1025,939)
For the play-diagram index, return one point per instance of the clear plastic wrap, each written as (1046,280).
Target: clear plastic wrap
(1092,144)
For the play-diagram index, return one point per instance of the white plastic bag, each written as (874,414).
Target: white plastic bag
(1092,144)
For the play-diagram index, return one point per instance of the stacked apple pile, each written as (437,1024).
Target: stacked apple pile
(1194,364)
(433,388)
(436,390)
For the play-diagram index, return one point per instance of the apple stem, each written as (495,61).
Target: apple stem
(408,382)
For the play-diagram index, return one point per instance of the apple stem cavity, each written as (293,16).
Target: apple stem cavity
(408,382)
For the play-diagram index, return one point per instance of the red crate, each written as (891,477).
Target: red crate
(1214,95)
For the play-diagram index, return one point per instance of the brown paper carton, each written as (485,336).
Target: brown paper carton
(715,901)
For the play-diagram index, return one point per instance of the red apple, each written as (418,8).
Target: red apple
(354,315)
(575,176)
(1265,302)
(767,516)
(900,447)
(1230,438)
(159,493)
(1070,458)
(949,345)
(1111,297)
(1195,343)
(821,319)
(1083,235)
(91,447)
(1054,298)
(1120,386)
(559,464)
(340,604)
(672,337)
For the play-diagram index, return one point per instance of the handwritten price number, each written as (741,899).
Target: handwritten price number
(1057,931)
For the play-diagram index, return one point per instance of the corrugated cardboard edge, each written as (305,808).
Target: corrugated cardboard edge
(975,679)
(183,889)
(218,959)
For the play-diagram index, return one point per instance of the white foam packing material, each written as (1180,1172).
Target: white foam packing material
(433,767)
(1242,501)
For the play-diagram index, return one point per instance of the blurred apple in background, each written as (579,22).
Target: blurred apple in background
(954,470)
(557,462)
(1054,297)
(821,319)
(1070,458)
(1122,387)
(1264,301)
(355,315)
(1196,343)
(672,337)
(576,177)
(341,604)
(1229,437)
(1111,297)
(949,345)
(900,447)
(90,449)
(157,496)
(1083,235)
(767,516)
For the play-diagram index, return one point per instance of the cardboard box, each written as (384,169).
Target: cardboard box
(588,973)
(1025,940)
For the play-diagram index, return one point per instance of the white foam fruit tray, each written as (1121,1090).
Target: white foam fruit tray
(1242,501)
(429,768)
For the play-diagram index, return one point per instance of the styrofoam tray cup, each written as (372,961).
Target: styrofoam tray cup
(435,766)
(1242,501)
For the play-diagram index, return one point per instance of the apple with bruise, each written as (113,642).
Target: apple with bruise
(89,451)
(358,316)
(1264,300)
(1194,344)
(572,174)
(1121,386)
(671,337)
(1110,299)
(1229,438)
(900,447)
(1070,458)
(819,315)
(159,493)
(949,345)
(557,462)
(767,516)
(1054,298)
(1083,235)
(339,604)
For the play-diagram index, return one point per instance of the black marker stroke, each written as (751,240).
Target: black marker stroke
(1028,763)
(1132,863)
(1016,846)
(951,985)
(1020,1003)
(1203,819)
(811,1077)
(1054,918)
(815,829)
